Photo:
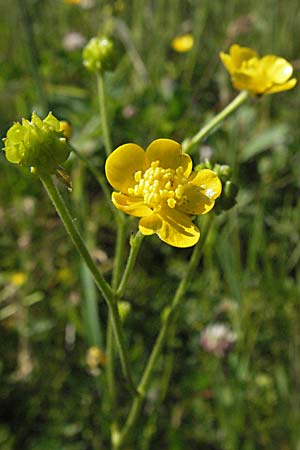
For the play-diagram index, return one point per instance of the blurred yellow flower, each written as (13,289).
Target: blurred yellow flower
(95,357)
(73,2)
(249,72)
(159,186)
(183,43)
(18,278)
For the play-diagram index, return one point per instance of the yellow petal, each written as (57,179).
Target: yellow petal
(122,164)
(186,163)
(208,181)
(169,155)
(195,201)
(282,87)
(130,205)
(241,54)
(227,61)
(177,228)
(279,70)
(150,224)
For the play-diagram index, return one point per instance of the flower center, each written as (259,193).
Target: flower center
(159,186)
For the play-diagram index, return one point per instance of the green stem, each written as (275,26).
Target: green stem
(160,340)
(119,253)
(90,312)
(205,131)
(135,246)
(102,285)
(102,106)
(110,353)
(110,372)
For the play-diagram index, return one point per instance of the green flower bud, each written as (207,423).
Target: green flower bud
(224,172)
(39,144)
(100,54)
(230,189)
(124,309)
(204,165)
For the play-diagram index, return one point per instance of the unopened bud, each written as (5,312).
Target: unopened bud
(224,172)
(38,144)
(100,54)
(124,309)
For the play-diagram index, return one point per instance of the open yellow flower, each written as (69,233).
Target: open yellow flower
(249,72)
(159,186)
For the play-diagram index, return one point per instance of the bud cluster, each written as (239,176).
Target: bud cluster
(38,144)
(100,54)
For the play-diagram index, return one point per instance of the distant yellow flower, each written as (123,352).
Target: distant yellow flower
(95,357)
(159,186)
(183,43)
(18,278)
(265,75)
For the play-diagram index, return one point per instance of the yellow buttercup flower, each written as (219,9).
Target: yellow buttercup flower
(183,43)
(18,278)
(159,186)
(249,72)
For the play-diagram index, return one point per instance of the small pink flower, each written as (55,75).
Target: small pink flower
(217,338)
(73,41)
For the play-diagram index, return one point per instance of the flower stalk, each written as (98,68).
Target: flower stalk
(135,243)
(212,124)
(102,285)
(103,112)
(162,336)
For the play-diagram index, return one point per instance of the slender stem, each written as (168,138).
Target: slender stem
(135,246)
(90,313)
(110,371)
(119,253)
(110,351)
(205,131)
(160,340)
(102,106)
(102,285)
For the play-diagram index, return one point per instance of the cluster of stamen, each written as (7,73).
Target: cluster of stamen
(159,186)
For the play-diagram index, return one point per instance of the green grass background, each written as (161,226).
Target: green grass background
(249,277)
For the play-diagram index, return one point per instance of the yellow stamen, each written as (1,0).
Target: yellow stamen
(158,186)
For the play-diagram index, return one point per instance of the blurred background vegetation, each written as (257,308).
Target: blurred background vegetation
(52,396)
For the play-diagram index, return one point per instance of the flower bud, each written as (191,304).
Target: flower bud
(204,165)
(100,54)
(39,144)
(224,172)
(124,309)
